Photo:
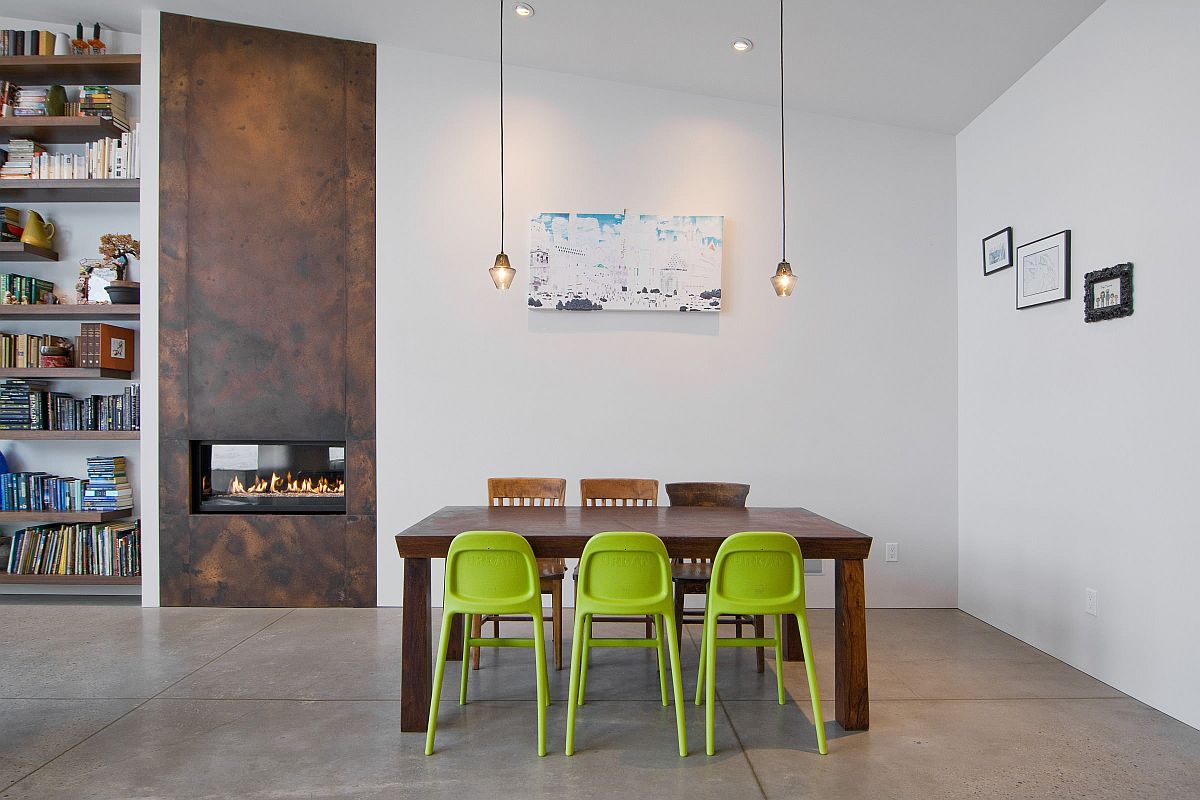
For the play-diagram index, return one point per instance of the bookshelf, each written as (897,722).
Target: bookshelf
(20,251)
(94,190)
(116,201)
(66,373)
(71,311)
(121,69)
(69,436)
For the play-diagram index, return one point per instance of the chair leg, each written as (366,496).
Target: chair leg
(777,625)
(649,626)
(468,624)
(818,721)
(710,681)
(573,690)
(759,652)
(700,671)
(667,630)
(585,654)
(556,619)
(543,691)
(438,670)
(662,657)
(476,632)
(496,626)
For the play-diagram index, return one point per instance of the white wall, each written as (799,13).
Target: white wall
(1077,441)
(840,399)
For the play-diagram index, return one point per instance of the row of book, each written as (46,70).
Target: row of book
(110,157)
(23,288)
(39,491)
(108,486)
(112,548)
(30,405)
(42,43)
(23,350)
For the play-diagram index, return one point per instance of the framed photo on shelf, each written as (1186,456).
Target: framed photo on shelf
(94,278)
(1044,270)
(997,251)
(1108,293)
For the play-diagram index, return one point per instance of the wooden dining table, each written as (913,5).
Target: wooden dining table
(688,532)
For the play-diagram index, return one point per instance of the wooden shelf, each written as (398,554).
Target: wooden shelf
(73,311)
(119,69)
(94,190)
(64,373)
(58,130)
(19,251)
(68,436)
(72,580)
(51,517)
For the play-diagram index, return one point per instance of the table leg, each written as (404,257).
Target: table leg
(792,649)
(416,667)
(850,644)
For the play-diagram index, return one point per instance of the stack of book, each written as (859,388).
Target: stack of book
(112,548)
(23,287)
(108,486)
(38,491)
(106,102)
(23,350)
(31,101)
(10,226)
(19,163)
(29,405)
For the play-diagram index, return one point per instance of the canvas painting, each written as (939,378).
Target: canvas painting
(619,262)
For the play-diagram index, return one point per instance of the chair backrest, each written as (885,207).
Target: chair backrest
(712,495)
(760,570)
(527,491)
(491,571)
(624,570)
(619,492)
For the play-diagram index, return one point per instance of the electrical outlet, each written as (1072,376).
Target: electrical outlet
(1092,604)
(891,551)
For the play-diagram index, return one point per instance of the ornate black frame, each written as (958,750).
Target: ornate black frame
(1122,309)
(1011,253)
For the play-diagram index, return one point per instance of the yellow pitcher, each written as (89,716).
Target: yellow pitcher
(38,232)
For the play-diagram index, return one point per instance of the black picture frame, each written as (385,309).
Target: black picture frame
(1124,305)
(1057,290)
(1007,233)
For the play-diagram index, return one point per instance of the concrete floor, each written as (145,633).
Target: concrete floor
(112,701)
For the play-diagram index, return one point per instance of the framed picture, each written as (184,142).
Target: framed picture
(94,278)
(997,251)
(1108,293)
(1044,270)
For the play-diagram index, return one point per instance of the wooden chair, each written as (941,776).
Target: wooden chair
(692,575)
(547,492)
(619,493)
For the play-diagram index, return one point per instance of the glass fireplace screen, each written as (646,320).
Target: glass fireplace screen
(269,477)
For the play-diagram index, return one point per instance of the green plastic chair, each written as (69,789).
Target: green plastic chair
(625,573)
(492,572)
(756,573)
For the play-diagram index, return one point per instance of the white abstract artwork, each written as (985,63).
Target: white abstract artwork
(619,262)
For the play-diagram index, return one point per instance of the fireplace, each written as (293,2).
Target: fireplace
(268,477)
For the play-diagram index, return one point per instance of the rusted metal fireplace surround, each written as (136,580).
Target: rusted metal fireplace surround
(266,317)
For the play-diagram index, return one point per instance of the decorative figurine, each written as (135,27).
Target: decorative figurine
(96,46)
(9,299)
(79,45)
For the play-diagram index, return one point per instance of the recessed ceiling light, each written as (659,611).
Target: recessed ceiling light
(523,10)
(742,44)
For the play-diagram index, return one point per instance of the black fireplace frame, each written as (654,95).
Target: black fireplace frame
(330,505)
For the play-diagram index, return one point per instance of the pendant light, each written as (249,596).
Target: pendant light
(502,272)
(783,280)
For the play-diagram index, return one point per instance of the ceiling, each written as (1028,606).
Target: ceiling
(929,64)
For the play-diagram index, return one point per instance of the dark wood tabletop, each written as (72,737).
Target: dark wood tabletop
(688,532)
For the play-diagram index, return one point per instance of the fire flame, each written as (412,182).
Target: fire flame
(287,485)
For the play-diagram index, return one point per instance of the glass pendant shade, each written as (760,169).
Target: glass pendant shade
(783,280)
(503,273)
